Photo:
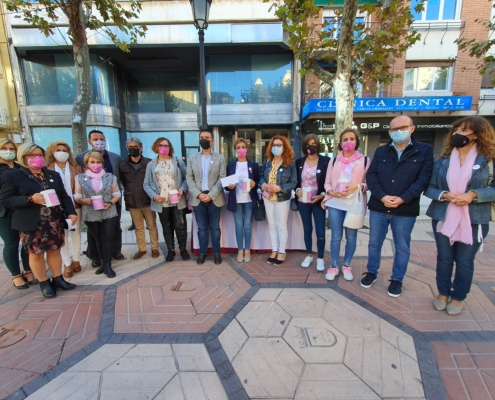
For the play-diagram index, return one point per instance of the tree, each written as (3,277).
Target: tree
(98,15)
(343,53)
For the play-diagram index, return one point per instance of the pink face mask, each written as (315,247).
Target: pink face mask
(36,162)
(349,146)
(241,153)
(163,151)
(96,168)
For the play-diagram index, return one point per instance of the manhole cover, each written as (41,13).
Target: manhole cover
(9,337)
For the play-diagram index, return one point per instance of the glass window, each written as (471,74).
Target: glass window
(249,79)
(50,79)
(157,91)
(427,78)
(45,135)
(333,25)
(435,10)
(148,138)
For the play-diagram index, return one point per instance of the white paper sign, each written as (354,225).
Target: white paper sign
(229,180)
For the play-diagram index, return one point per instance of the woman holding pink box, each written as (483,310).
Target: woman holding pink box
(243,196)
(98,192)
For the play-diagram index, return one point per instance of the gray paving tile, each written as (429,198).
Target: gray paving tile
(232,339)
(262,319)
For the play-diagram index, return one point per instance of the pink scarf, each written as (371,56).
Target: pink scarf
(457,223)
(346,161)
(95,179)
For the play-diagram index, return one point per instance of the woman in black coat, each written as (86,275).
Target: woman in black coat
(41,228)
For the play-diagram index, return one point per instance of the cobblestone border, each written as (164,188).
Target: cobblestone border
(433,385)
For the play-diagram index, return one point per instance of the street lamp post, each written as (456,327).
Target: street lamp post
(201,10)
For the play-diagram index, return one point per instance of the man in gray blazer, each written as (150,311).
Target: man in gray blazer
(97,141)
(204,171)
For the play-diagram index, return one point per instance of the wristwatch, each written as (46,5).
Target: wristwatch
(323,194)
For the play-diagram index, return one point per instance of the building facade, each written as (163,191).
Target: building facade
(153,91)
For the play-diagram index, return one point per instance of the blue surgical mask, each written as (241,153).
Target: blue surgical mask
(400,137)
(277,151)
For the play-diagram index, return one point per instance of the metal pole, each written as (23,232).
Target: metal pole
(201,34)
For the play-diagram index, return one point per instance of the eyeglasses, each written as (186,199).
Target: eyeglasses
(134,147)
(33,155)
(163,145)
(400,128)
(277,145)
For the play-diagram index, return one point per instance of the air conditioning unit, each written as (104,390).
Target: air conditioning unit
(4,116)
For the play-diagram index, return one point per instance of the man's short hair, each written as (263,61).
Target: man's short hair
(206,130)
(94,131)
(133,140)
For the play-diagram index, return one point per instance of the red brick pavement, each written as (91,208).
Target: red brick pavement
(44,333)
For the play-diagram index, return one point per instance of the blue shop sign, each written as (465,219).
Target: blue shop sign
(391,104)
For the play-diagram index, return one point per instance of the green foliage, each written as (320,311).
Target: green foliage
(99,15)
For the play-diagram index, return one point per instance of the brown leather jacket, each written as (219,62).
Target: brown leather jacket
(74,170)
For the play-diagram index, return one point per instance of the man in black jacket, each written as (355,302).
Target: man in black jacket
(132,171)
(400,171)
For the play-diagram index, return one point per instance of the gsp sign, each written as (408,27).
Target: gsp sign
(391,104)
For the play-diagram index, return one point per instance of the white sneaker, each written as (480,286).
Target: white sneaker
(331,273)
(307,262)
(320,264)
(347,271)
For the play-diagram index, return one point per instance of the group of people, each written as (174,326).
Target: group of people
(460,184)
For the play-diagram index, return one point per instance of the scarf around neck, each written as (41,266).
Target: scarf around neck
(346,161)
(457,223)
(95,179)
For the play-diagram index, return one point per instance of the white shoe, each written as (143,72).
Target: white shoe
(307,262)
(347,271)
(320,264)
(331,273)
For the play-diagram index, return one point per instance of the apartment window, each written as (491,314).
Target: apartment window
(332,24)
(436,10)
(419,79)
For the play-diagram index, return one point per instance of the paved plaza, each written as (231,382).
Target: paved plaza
(249,331)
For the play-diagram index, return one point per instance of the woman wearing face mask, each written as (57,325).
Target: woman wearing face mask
(241,202)
(10,236)
(461,207)
(41,226)
(59,158)
(277,179)
(98,192)
(311,172)
(344,175)
(167,173)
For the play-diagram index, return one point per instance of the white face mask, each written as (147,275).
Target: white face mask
(61,156)
(7,155)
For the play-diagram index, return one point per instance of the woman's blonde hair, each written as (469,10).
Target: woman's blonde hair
(485,136)
(24,149)
(96,155)
(4,141)
(52,148)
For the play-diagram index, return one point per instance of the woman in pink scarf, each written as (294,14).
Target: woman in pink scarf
(98,192)
(462,196)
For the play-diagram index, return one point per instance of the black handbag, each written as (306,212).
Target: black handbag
(293,204)
(259,213)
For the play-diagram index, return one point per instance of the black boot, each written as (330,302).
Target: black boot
(47,290)
(107,267)
(60,283)
(185,255)
(100,270)
(170,255)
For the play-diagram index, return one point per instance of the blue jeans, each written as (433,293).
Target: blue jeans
(336,218)
(402,227)
(208,219)
(242,218)
(318,213)
(463,255)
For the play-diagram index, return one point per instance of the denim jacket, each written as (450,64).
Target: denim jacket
(479,211)
(286,178)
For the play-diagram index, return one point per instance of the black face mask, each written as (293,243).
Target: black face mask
(205,144)
(459,140)
(311,149)
(134,152)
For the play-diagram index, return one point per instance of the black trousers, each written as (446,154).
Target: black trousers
(102,233)
(173,220)
(92,251)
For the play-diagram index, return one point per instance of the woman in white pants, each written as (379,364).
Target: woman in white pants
(59,158)
(277,179)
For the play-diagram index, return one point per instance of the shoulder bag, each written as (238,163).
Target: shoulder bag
(490,182)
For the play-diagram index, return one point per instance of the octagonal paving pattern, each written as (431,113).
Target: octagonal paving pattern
(177,297)
(326,347)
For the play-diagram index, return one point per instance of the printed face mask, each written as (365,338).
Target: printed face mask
(459,140)
(7,155)
(36,162)
(241,153)
(99,145)
(349,146)
(96,168)
(400,137)
(163,151)
(61,156)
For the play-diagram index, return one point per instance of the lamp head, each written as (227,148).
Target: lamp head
(201,11)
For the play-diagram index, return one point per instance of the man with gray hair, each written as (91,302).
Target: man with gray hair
(132,171)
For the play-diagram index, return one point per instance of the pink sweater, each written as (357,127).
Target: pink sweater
(358,175)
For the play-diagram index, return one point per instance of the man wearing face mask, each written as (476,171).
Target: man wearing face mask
(399,173)
(204,171)
(98,143)
(132,171)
